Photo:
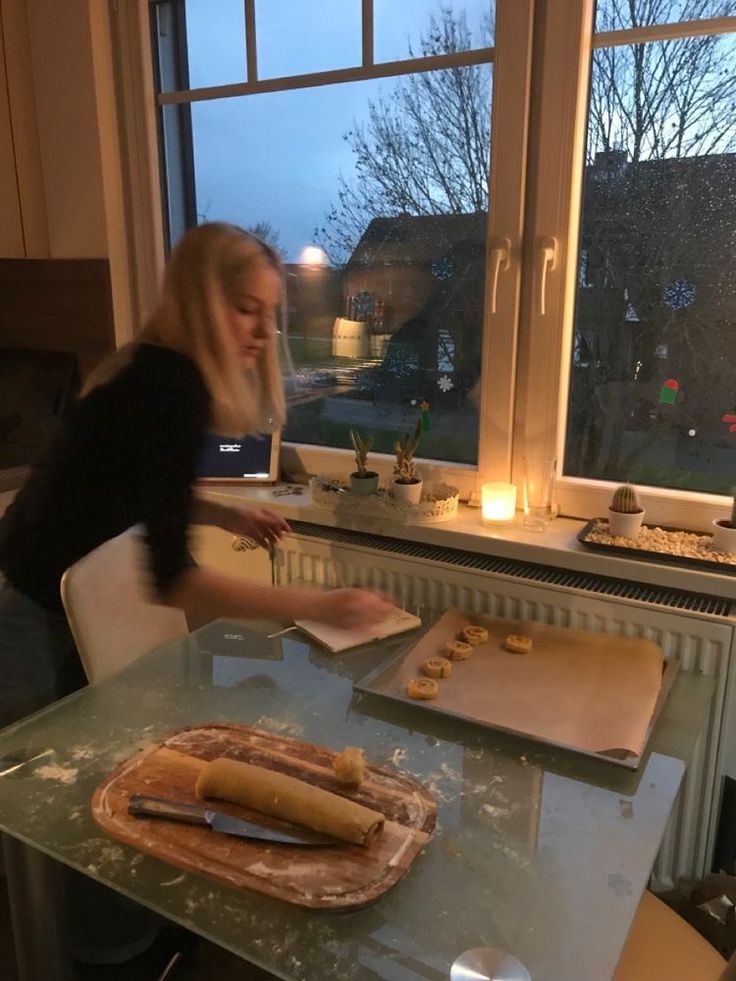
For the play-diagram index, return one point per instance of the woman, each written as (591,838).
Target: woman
(207,359)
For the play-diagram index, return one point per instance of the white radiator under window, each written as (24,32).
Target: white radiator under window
(698,630)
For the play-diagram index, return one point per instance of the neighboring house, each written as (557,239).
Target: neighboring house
(417,281)
(399,262)
(656,306)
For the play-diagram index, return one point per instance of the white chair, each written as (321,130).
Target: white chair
(661,946)
(109,608)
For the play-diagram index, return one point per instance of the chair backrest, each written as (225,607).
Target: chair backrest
(109,608)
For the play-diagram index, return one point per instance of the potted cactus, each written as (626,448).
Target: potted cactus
(362,480)
(625,513)
(407,486)
(724,531)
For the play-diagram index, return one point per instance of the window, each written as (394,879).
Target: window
(531,244)
(657,311)
(363,156)
(640,308)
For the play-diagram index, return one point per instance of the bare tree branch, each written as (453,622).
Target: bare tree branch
(425,149)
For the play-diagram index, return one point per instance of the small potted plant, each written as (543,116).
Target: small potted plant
(362,480)
(625,513)
(407,487)
(724,531)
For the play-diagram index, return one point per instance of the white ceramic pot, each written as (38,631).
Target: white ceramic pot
(625,525)
(407,493)
(724,538)
(364,485)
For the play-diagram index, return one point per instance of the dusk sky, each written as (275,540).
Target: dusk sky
(276,157)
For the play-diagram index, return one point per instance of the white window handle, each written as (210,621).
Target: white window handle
(500,258)
(547,262)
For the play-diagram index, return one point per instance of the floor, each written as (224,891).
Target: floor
(198,960)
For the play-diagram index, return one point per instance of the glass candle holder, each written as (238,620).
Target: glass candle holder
(497,503)
(538,491)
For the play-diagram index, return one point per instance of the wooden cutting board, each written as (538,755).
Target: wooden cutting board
(336,877)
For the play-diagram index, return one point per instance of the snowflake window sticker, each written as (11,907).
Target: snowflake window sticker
(679,295)
(445,383)
(443,267)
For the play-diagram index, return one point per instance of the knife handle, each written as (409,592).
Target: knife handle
(141,806)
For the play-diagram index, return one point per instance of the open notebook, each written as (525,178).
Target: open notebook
(336,640)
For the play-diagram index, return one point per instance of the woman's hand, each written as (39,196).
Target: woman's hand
(263,526)
(349,607)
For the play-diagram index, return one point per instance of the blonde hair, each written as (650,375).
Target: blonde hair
(191,318)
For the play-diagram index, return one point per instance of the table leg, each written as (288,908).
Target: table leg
(38,913)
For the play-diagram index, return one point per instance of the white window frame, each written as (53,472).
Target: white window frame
(543,122)
(511,59)
(557,161)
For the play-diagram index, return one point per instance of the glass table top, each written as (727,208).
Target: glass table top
(541,852)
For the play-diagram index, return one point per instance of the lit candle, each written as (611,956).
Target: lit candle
(497,503)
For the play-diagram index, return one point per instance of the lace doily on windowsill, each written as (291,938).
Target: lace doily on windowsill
(438,503)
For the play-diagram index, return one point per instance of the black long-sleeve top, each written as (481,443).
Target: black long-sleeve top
(127,455)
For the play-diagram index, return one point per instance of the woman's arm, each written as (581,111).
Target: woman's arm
(262,525)
(206,594)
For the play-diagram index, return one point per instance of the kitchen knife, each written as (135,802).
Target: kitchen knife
(158,807)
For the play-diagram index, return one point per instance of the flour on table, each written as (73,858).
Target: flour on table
(274,725)
(449,773)
(431,783)
(497,812)
(521,861)
(63,774)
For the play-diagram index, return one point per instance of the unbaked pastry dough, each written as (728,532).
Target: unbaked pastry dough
(422,688)
(475,635)
(349,766)
(458,650)
(285,797)
(437,667)
(519,643)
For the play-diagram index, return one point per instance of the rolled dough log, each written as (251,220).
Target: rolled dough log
(285,797)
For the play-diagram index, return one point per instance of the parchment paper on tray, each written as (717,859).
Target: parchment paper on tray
(575,688)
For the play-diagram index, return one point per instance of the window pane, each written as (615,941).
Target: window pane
(615,15)
(215,42)
(398,26)
(388,324)
(652,398)
(296,37)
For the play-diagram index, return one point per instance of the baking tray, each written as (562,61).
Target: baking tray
(722,568)
(382,683)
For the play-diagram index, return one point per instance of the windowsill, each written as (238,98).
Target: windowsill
(558,546)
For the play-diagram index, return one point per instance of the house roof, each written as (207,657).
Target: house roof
(416,238)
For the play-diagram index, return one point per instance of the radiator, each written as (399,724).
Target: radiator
(696,629)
